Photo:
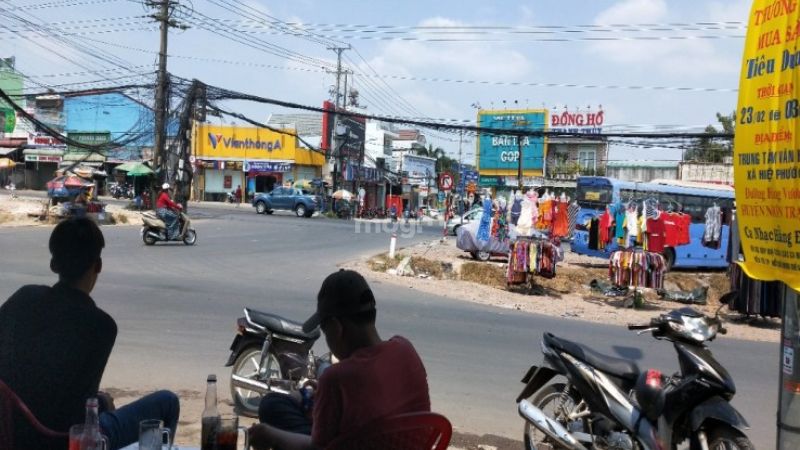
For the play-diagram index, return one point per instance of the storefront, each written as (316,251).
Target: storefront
(257,159)
(41,165)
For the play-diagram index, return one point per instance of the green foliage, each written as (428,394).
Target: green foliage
(710,149)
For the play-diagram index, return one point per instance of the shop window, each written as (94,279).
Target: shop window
(228,182)
(587,159)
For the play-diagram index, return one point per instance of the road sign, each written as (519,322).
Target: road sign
(445,182)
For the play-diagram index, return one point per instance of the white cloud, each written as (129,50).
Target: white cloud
(633,11)
(689,57)
(474,60)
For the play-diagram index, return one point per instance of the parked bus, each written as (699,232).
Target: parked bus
(595,193)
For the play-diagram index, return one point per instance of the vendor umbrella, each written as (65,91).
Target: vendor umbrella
(6,163)
(135,169)
(74,181)
(342,195)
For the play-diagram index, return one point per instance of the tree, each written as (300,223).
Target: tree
(711,149)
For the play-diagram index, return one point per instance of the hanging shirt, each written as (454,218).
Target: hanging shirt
(656,237)
(619,218)
(671,229)
(594,234)
(604,235)
(685,236)
(632,223)
(713,224)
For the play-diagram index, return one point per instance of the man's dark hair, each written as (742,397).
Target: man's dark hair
(75,246)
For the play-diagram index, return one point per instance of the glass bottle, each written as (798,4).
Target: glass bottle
(91,438)
(210,417)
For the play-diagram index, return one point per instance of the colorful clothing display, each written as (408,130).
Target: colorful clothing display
(528,257)
(637,268)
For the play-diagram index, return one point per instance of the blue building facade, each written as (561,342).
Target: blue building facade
(109,117)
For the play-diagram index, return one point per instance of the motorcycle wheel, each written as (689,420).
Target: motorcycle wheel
(725,437)
(190,237)
(245,401)
(148,240)
(548,400)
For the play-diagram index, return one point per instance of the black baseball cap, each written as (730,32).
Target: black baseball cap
(342,294)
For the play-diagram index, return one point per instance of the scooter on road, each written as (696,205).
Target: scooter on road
(155,230)
(602,402)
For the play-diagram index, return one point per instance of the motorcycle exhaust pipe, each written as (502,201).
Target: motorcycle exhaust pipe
(254,385)
(548,426)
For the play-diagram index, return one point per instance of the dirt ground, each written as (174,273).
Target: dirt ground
(27,211)
(438,267)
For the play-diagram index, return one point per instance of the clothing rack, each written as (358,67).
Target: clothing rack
(637,268)
(531,256)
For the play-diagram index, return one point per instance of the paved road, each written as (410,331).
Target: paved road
(176,306)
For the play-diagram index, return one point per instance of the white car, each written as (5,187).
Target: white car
(456,221)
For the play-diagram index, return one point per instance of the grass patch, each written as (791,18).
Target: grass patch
(427,267)
(482,273)
(382,262)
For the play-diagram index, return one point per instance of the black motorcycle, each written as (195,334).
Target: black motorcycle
(270,354)
(608,403)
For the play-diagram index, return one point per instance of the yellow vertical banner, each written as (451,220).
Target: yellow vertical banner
(766,150)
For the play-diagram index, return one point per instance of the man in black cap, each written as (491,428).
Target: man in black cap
(374,378)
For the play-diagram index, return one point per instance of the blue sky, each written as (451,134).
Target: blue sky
(702,63)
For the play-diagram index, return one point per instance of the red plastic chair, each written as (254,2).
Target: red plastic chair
(9,401)
(414,431)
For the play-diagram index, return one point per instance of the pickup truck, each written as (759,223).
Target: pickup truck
(288,199)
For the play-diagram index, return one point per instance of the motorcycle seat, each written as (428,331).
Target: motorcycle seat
(618,367)
(280,325)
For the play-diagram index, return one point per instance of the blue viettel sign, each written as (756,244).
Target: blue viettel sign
(501,152)
(267,166)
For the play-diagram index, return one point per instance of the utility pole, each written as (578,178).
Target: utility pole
(163,17)
(460,179)
(337,158)
(519,159)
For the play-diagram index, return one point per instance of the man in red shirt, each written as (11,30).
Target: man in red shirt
(373,379)
(167,211)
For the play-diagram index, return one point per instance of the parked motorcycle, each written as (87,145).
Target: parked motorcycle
(155,229)
(123,190)
(270,354)
(607,403)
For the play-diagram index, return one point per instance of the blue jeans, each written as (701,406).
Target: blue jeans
(170,219)
(122,426)
(283,412)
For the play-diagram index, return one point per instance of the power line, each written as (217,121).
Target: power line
(221,94)
(436,79)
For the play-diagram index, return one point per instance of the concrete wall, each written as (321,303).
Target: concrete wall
(642,173)
(706,172)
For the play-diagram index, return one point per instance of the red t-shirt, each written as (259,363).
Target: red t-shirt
(165,202)
(671,229)
(684,237)
(374,382)
(655,234)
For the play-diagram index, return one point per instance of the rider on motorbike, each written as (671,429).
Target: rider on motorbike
(168,211)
